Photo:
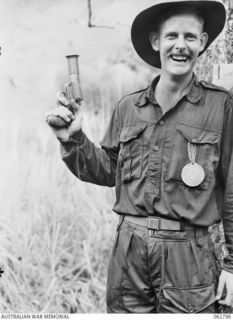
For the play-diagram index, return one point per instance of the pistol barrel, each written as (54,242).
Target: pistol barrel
(74,77)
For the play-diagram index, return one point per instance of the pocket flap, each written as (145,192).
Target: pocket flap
(197,135)
(189,300)
(131,132)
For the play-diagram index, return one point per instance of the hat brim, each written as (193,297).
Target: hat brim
(213,13)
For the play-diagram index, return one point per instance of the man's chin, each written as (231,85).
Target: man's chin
(180,71)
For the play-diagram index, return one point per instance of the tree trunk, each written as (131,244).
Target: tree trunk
(229,3)
(89,13)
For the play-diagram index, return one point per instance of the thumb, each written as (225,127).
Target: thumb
(220,289)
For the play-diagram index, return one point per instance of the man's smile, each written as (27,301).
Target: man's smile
(180,58)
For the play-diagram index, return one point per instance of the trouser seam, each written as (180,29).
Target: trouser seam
(162,259)
(149,277)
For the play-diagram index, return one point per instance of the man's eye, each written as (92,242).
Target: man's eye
(190,37)
(170,36)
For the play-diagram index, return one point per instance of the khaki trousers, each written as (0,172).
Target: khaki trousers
(166,272)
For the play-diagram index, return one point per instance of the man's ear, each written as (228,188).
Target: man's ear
(154,40)
(203,39)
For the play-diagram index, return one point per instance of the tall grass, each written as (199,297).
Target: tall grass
(55,231)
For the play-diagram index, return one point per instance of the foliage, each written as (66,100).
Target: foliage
(229,36)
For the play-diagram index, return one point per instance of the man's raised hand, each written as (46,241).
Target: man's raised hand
(65,119)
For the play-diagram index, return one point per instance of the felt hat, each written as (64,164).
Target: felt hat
(212,12)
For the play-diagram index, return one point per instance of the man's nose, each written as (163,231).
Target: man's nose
(180,43)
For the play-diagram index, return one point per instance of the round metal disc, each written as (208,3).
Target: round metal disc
(193,174)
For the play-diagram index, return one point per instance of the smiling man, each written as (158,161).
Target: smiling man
(179,40)
(168,151)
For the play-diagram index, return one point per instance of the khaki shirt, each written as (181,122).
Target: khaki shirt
(144,151)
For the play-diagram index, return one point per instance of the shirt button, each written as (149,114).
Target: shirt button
(191,309)
(161,122)
(144,237)
(194,140)
(156,148)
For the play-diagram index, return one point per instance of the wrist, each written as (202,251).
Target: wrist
(76,137)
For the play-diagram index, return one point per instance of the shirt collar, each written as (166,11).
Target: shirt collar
(194,94)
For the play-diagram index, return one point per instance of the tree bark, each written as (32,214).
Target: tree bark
(89,13)
(228,3)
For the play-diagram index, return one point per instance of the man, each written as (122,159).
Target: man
(168,152)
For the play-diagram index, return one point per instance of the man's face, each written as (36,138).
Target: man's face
(179,41)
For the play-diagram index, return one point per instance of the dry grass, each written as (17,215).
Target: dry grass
(56,232)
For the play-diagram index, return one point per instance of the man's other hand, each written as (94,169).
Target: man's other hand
(225,285)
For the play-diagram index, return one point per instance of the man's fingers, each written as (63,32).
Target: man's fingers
(220,289)
(71,104)
(228,301)
(61,112)
(61,99)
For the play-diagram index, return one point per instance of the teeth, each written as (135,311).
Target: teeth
(179,58)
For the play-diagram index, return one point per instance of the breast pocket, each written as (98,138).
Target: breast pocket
(131,152)
(207,152)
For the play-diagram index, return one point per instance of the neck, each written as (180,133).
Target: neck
(174,85)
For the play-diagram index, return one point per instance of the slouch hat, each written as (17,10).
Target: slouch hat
(212,12)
